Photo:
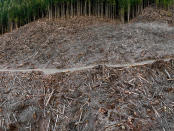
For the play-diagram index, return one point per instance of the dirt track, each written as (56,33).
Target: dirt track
(53,71)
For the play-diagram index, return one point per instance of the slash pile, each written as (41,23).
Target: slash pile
(134,98)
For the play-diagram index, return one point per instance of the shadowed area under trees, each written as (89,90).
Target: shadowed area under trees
(15,13)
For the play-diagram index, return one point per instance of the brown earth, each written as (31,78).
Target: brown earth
(136,98)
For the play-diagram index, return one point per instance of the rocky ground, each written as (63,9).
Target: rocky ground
(95,99)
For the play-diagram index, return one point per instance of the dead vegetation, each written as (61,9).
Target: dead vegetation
(151,14)
(134,98)
(102,98)
(84,41)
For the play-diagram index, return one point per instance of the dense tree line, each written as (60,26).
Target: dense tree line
(15,13)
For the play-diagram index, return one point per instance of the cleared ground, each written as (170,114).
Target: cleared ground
(98,99)
(84,41)
(137,96)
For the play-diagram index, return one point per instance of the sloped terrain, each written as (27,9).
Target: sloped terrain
(83,41)
(151,14)
(98,98)
(136,98)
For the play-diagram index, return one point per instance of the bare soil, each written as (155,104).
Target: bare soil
(99,98)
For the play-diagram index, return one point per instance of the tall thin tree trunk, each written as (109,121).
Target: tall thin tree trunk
(128,13)
(89,4)
(122,15)
(72,12)
(85,8)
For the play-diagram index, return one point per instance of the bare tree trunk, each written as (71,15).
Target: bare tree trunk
(128,13)
(16,25)
(85,8)
(72,12)
(133,11)
(67,10)
(55,12)
(106,12)
(102,10)
(10,26)
(80,5)
(49,13)
(122,15)
(78,8)
(63,10)
(89,6)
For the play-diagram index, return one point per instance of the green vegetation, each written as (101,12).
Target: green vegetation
(15,13)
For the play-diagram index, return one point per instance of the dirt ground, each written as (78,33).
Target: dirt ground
(84,41)
(99,99)
(138,98)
